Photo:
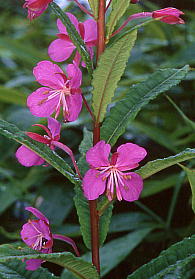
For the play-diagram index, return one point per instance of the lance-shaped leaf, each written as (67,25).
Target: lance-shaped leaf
(171,263)
(74,36)
(16,270)
(75,265)
(12,132)
(109,71)
(138,96)
(155,166)
(118,9)
(191,177)
(94,7)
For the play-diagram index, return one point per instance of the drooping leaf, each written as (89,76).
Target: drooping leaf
(16,270)
(155,166)
(12,132)
(171,263)
(77,266)
(118,9)
(12,96)
(138,96)
(110,68)
(74,36)
(191,177)
(94,7)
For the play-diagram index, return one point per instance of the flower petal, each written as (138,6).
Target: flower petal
(97,156)
(33,264)
(75,75)
(60,50)
(74,103)
(74,21)
(54,126)
(27,157)
(93,184)
(37,213)
(38,103)
(129,155)
(132,187)
(90,36)
(45,73)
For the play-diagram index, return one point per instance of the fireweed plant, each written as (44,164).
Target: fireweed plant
(106,173)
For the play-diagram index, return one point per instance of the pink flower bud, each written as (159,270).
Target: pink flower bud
(36,7)
(169,15)
(134,1)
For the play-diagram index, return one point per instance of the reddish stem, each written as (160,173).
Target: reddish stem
(88,107)
(83,8)
(101,28)
(108,5)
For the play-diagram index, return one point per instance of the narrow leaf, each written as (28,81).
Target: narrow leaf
(138,96)
(77,266)
(109,71)
(12,132)
(74,36)
(155,166)
(173,260)
(94,7)
(118,9)
(191,177)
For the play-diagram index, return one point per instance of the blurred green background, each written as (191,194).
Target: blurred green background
(160,128)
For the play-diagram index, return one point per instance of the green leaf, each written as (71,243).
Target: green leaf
(170,263)
(12,132)
(191,177)
(155,166)
(16,270)
(94,7)
(8,194)
(109,71)
(138,96)
(118,9)
(74,36)
(77,266)
(12,96)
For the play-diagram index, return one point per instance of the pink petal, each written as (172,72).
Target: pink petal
(74,103)
(45,74)
(97,156)
(129,155)
(54,126)
(33,264)
(93,184)
(37,213)
(38,104)
(27,157)
(67,240)
(74,21)
(75,75)
(132,188)
(90,36)
(60,50)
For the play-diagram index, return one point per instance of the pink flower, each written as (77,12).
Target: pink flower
(111,175)
(61,91)
(36,7)
(62,48)
(37,235)
(169,15)
(27,157)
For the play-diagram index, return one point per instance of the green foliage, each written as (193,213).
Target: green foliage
(77,266)
(110,68)
(94,7)
(171,263)
(12,132)
(16,270)
(74,36)
(138,96)
(12,96)
(118,9)
(155,166)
